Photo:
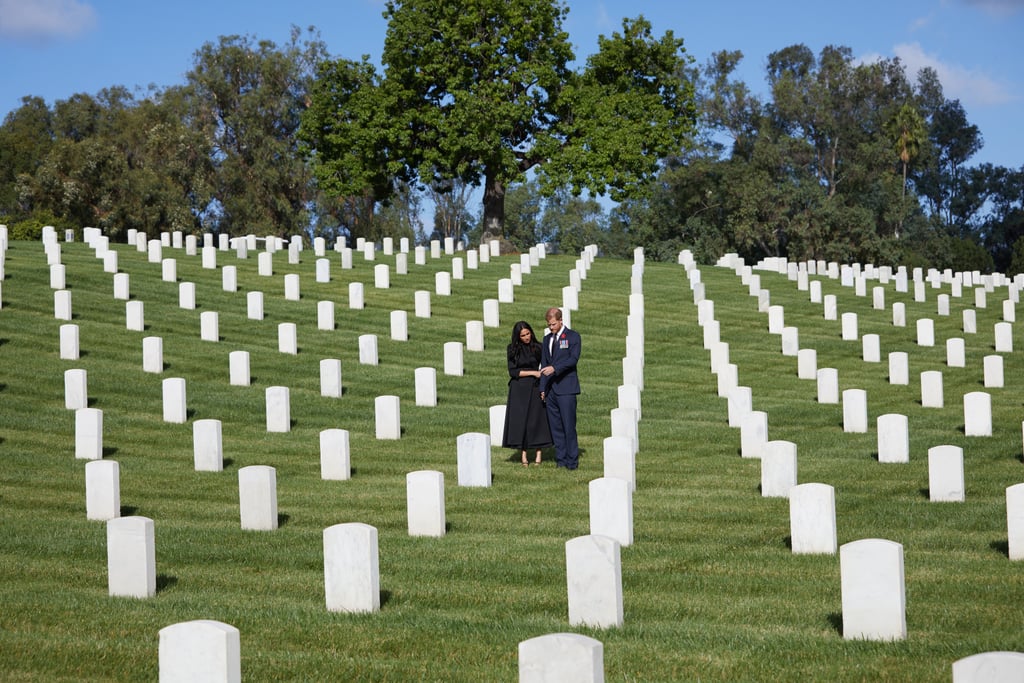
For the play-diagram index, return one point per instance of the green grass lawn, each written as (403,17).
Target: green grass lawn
(711,588)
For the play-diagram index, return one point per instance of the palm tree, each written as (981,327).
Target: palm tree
(908,131)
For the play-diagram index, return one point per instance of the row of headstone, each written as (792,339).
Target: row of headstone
(872,571)
(209,650)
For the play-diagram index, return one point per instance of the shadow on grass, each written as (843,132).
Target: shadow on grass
(925,493)
(128,510)
(109,451)
(835,620)
(91,401)
(1000,546)
(282,519)
(227,462)
(165,581)
(788,542)
(385,596)
(3,386)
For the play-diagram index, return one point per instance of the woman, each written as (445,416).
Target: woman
(526,420)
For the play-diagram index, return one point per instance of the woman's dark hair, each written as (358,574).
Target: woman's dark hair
(517,348)
(517,329)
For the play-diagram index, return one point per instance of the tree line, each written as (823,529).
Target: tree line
(839,160)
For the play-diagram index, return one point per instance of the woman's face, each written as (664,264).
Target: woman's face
(525,336)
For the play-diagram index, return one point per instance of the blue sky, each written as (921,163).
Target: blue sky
(56,48)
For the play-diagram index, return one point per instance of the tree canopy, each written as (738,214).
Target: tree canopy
(482,92)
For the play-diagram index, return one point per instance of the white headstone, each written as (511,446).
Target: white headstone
(812,519)
(931,389)
(561,658)
(453,358)
(1004,337)
(279,410)
(257,497)
(987,667)
(355,296)
(790,341)
(925,332)
(977,414)
(174,400)
(187,296)
(200,650)
(753,434)
(325,315)
(351,568)
(131,557)
(122,286)
(69,346)
(594,581)
(400,326)
(849,326)
(388,419)
(993,367)
(474,335)
(473,455)
(422,303)
(496,423)
(102,490)
(871,348)
(946,474)
(134,316)
(970,321)
(1015,521)
(778,469)
(873,590)
(229,278)
(955,352)
(238,365)
(899,371)
(76,392)
(424,495)
(207,445)
(828,385)
(368,349)
(807,364)
(88,434)
(335,456)
(426,386)
(611,509)
(330,378)
(620,459)
(153,354)
(855,411)
(209,326)
(287,338)
(893,438)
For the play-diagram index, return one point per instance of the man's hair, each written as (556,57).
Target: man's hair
(553,313)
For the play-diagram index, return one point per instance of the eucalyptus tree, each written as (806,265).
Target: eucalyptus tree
(26,136)
(246,98)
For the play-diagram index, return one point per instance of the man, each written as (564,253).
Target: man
(559,387)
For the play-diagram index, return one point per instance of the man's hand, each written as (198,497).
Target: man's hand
(547,370)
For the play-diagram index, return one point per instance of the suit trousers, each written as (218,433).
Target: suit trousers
(562,420)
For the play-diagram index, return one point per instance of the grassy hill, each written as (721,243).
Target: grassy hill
(711,588)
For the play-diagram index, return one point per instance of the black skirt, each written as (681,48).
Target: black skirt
(526,418)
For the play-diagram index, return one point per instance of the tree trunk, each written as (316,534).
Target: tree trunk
(494,205)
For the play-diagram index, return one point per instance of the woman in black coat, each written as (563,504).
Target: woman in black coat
(526,420)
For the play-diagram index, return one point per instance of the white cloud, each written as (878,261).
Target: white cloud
(31,19)
(970,86)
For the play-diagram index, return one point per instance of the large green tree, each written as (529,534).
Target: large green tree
(481,91)
(25,138)
(246,98)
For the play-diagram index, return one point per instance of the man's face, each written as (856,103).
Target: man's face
(554,324)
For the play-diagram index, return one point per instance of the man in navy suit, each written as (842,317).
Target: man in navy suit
(559,387)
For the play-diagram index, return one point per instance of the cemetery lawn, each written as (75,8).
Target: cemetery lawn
(712,591)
